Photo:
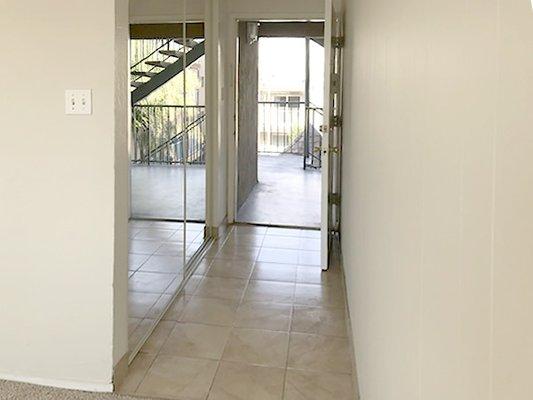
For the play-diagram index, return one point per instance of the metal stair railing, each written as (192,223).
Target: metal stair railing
(313,139)
(194,147)
(154,137)
(282,130)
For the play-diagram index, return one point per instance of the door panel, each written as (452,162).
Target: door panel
(331,141)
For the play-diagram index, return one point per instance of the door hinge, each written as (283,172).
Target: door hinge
(336,121)
(337,42)
(334,198)
(335,83)
(334,150)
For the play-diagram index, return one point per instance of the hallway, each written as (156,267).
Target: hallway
(259,320)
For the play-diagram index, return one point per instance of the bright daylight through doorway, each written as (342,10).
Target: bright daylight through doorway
(289,116)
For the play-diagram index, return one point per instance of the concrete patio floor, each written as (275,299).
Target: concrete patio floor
(157,191)
(285,195)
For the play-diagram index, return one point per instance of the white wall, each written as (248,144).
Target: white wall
(152,11)
(58,200)
(215,101)
(257,9)
(122,180)
(438,197)
(168,10)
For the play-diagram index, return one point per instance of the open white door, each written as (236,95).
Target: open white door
(331,131)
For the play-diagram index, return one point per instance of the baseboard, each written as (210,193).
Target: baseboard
(349,329)
(61,384)
(120,371)
(217,232)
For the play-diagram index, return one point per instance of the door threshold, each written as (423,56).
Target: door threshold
(308,228)
(154,219)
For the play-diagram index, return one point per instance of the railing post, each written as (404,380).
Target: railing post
(149,137)
(307,91)
(168,160)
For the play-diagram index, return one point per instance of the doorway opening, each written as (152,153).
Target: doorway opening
(280,100)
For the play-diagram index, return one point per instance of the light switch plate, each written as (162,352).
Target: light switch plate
(78,102)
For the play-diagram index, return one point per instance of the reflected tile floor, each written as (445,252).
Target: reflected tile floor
(156,269)
(258,321)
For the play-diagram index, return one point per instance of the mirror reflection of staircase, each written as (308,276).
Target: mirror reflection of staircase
(162,64)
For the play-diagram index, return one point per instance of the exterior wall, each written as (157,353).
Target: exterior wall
(60,251)
(437,197)
(247,115)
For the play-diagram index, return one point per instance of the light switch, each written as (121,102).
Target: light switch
(78,102)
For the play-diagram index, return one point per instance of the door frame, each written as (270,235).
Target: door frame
(332,132)
(212,153)
(231,61)
(211,65)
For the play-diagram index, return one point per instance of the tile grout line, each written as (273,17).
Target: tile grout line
(230,332)
(158,353)
(284,387)
(160,295)
(239,303)
(131,291)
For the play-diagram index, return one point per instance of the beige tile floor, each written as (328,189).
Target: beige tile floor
(258,321)
(155,267)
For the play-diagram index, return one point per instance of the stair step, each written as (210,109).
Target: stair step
(159,64)
(187,42)
(172,53)
(136,84)
(144,73)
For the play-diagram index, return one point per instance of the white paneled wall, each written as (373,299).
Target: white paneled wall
(438,197)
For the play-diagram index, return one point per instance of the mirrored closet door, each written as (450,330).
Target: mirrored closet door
(168,164)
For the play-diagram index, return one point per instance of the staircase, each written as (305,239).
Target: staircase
(162,64)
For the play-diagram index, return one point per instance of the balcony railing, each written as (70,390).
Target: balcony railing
(164,134)
(313,137)
(290,127)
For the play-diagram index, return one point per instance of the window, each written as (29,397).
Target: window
(294,101)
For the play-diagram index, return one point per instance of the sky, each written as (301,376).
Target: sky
(282,66)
